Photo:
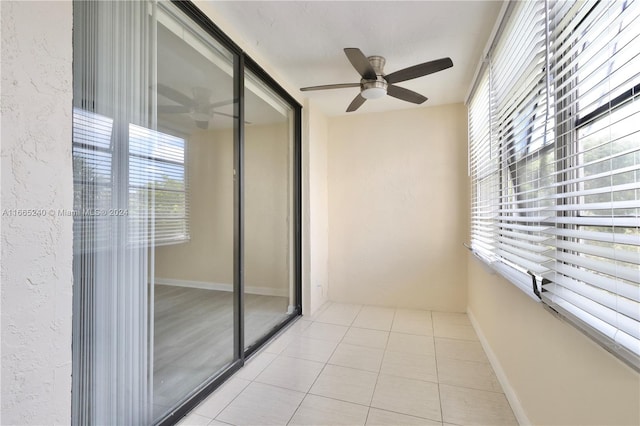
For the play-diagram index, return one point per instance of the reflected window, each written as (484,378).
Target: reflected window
(157,173)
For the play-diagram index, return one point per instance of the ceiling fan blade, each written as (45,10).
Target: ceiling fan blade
(223,103)
(419,70)
(175,95)
(405,94)
(356,103)
(230,115)
(202,124)
(173,109)
(330,86)
(360,63)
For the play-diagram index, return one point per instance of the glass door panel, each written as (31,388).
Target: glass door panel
(269,289)
(194,199)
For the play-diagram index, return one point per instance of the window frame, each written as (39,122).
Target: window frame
(563,139)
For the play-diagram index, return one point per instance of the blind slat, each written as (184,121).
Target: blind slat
(554,161)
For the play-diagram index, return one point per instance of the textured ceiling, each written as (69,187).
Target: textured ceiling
(304,41)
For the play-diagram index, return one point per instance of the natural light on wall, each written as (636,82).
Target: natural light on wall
(554,157)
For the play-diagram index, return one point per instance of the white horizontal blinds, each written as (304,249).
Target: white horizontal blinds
(483,171)
(113,68)
(158,181)
(93,184)
(595,275)
(519,91)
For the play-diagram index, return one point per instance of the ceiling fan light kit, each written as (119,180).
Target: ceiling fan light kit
(373,89)
(375,83)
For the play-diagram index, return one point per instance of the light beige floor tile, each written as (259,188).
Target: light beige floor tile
(261,404)
(407,396)
(255,365)
(339,314)
(345,384)
(279,344)
(318,311)
(365,337)
(320,411)
(193,419)
(450,318)
(374,317)
(460,349)
(311,349)
(291,373)
(379,417)
(217,401)
(359,357)
(413,314)
(453,331)
(475,407)
(217,423)
(410,343)
(412,322)
(322,331)
(412,366)
(299,326)
(468,374)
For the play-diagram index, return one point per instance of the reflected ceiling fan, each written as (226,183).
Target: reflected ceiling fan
(199,107)
(375,83)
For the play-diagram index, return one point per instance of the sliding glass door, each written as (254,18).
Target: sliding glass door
(187,210)
(193,255)
(269,234)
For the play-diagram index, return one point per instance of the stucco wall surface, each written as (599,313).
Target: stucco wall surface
(36,252)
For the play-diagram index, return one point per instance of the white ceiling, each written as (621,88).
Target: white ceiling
(303,42)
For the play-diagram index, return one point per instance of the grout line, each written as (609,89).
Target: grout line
(384,354)
(409,415)
(356,316)
(229,403)
(317,377)
(435,356)
(366,418)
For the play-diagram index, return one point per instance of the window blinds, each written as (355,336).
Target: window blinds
(158,182)
(510,154)
(519,105)
(554,157)
(113,70)
(484,172)
(595,273)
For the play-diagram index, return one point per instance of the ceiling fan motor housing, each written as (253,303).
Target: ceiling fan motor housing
(374,89)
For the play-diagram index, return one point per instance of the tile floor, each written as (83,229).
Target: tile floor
(364,365)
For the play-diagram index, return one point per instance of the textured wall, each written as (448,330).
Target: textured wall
(398,208)
(36,174)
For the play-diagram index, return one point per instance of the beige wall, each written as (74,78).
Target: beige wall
(37,173)
(554,374)
(208,256)
(398,208)
(267,207)
(318,247)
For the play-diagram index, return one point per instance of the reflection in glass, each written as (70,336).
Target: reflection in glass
(192,165)
(268,226)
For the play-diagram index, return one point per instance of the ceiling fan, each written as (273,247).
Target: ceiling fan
(375,83)
(199,107)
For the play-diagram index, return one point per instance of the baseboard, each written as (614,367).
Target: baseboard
(207,285)
(511,395)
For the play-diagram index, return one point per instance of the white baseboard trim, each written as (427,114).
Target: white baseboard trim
(207,285)
(511,395)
